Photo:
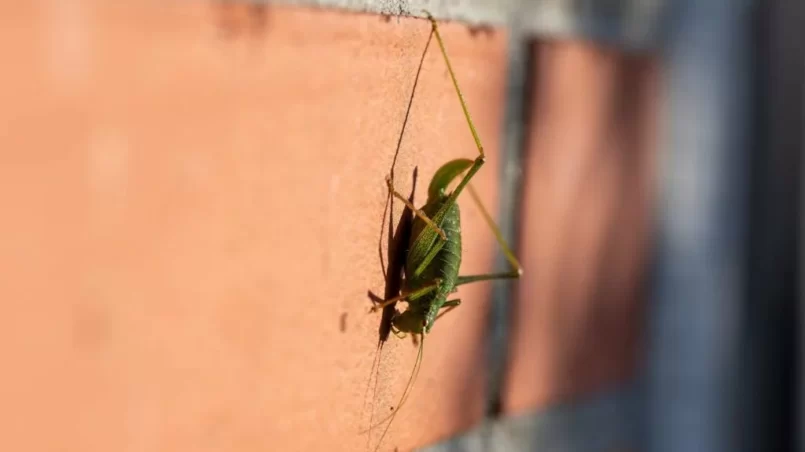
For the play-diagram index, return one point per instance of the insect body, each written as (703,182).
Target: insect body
(434,250)
(431,268)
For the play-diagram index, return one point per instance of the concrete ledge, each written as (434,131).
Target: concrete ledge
(634,26)
(606,422)
(473,12)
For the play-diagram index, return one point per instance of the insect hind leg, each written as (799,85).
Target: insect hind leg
(475,136)
(479,161)
(447,307)
(517,269)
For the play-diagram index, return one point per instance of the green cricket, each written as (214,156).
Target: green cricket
(433,260)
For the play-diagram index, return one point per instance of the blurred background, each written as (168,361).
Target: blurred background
(196,209)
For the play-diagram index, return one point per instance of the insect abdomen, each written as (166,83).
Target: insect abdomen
(447,262)
(449,258)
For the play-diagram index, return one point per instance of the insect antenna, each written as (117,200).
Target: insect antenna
(374,374)
(406,393)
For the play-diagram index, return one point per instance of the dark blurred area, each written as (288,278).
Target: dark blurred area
(718,366)
(770,340)
(737,368)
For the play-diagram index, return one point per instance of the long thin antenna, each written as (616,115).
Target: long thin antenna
(408,387)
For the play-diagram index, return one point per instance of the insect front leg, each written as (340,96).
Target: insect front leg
(398,333)
(413,208)
(413,295)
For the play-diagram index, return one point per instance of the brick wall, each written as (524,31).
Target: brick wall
(195,200)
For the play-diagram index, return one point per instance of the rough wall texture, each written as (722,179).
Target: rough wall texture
(474,12)
(194,199)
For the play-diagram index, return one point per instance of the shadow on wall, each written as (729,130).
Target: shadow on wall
(241,19)
(398,241)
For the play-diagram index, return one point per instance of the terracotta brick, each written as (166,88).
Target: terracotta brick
(194,199)
(586,225)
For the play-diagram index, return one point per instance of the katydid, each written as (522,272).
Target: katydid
(434,251)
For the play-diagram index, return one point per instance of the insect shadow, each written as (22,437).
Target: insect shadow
(397,253)
(393,260)
(397,242)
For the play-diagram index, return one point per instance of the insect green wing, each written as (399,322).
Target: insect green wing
(425,239)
